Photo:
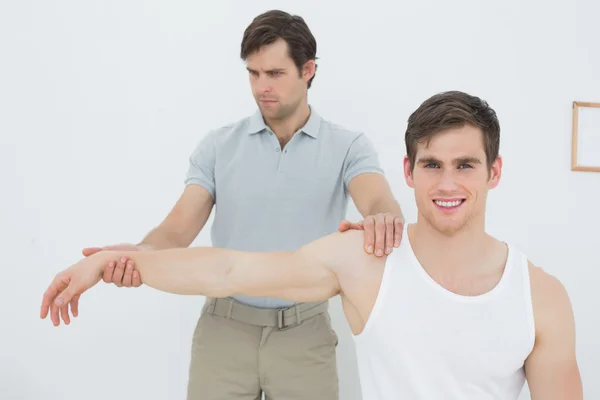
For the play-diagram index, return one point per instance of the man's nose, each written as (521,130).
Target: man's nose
(447,181)
(264,85)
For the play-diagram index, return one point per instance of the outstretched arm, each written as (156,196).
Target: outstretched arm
(308,274)
(551,369)
(302,275)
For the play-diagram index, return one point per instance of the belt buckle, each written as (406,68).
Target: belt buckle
(280,319)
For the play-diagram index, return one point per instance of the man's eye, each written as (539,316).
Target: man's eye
(431,165)
(462,166)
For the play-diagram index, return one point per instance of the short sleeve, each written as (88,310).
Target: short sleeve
(361,158)
(201,170)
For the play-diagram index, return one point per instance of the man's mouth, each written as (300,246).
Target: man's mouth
(449,204)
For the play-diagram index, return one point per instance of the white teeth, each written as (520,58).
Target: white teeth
(447,203)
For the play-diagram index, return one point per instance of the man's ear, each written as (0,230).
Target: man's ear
(408,173)
(308,70)
(495,173)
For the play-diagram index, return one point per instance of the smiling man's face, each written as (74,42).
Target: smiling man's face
(451,179)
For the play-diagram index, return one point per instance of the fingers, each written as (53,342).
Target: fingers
(107,276)
(59,284)
(369,228)
(54,314)
(119,271)
(64,312)
(122,273)
(398,229)
(383,232)
(60,306)
(380,234)
(137,279)
(57,298)
(75,306)
(389,233)
(128,275)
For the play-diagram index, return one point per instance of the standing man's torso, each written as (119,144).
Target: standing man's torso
(270,198)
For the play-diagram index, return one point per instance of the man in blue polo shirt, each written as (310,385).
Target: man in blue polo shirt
(279,179)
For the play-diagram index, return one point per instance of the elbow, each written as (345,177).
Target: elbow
(221,283)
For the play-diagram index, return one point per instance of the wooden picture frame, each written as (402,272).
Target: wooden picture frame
(577,164)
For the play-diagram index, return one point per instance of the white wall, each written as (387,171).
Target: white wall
(102,102)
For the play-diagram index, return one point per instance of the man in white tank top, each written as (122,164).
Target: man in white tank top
(452,313)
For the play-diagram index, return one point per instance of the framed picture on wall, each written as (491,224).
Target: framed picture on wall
(585,148)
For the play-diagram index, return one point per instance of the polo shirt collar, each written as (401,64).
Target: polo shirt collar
(311,128)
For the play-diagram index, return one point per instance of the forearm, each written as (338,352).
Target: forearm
(299,276)
(384,204)
(162,237)
(188,271)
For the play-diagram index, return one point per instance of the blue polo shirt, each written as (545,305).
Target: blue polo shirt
(273,199)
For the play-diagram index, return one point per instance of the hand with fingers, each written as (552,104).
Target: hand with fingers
(121,272)
(383,232)
(70,284)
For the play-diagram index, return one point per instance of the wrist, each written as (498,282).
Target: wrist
(106,256)
(100,259)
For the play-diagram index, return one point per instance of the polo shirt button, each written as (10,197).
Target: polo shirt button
(278,149)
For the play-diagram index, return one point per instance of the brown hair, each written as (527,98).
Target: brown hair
(273,25)
(448,110)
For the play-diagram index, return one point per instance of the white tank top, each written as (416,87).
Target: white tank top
(423,342)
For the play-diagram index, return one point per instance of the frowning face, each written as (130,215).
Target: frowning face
(277,86)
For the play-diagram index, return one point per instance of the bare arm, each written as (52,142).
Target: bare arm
(309,274)
(551,369)
(183,223)
(297,276)
(372,195)
(179,229)
(190,213)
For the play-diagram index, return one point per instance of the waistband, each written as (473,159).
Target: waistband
(280,318)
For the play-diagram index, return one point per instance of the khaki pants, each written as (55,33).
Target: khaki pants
(240,352)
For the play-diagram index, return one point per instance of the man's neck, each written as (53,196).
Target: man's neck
(284,129)
(461,253)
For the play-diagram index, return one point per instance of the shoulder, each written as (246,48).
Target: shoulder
(341,134)
(354,146)
(344,252)
(545,287)
(339,131)
(551,302)
(222,135)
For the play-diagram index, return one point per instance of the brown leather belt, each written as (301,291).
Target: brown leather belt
(281,318)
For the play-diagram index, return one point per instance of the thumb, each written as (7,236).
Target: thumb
(88,251)
(346,225)
(343,226)
(66,295)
